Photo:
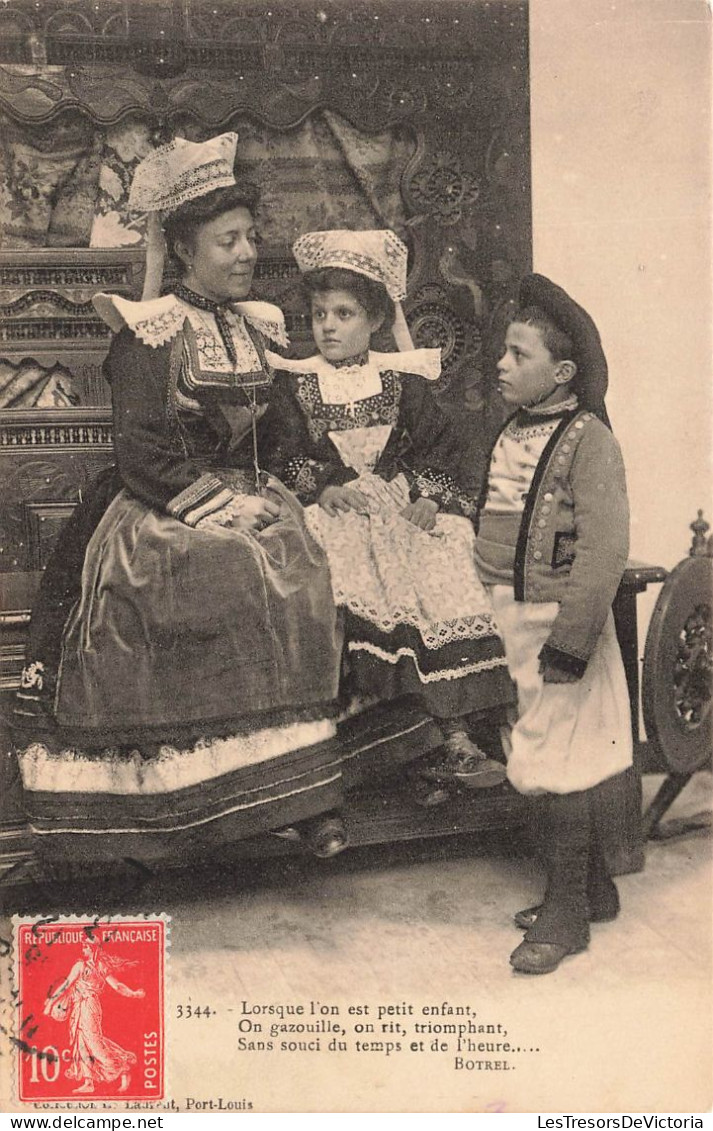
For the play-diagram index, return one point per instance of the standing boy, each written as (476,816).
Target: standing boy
(552,546)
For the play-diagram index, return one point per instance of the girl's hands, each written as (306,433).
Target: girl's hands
(336,500)
(422,513)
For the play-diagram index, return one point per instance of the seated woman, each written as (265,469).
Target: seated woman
(360,434)
(199,666)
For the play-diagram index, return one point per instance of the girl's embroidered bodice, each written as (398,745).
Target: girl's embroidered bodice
(355,403)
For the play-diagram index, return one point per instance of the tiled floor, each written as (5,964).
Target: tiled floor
(625,1026)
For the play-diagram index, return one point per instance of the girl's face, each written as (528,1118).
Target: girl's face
(221,260)
(341,326)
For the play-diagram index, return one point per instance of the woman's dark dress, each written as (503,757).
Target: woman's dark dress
(199,668)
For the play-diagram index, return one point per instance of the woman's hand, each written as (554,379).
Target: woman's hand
(138,993)
(256,512)
(336,499)
(422,513)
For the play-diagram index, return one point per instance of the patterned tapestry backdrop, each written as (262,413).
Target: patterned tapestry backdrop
(66,184)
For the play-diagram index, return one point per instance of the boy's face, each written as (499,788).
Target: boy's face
(341,326)
(527,372)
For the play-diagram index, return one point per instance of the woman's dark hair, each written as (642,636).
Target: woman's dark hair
(368,292)
(182,225)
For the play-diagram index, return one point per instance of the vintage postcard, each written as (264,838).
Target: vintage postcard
(270,837)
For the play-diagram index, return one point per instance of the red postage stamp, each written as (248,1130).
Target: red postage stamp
(90,1008)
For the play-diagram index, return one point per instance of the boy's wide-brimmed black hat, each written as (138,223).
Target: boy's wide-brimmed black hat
(592,373)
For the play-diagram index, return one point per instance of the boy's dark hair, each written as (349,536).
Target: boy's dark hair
(368,292)
(182,225)
(559,344)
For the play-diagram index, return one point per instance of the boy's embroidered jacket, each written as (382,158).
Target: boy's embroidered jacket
(573,541)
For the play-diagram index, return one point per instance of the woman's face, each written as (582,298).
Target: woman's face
(341,326)
(221,260)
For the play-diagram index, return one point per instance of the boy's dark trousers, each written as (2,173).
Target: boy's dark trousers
(579,888)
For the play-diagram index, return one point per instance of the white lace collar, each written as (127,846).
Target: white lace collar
(424,363)
(158,321)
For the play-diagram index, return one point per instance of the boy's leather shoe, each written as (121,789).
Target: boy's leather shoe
(540,958)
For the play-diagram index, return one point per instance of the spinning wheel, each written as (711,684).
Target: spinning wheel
(678,671)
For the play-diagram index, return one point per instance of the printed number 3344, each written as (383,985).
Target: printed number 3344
(186,1011)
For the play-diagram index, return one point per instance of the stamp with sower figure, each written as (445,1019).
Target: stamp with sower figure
(89,1007)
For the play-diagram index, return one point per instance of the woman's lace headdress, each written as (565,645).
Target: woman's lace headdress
(171,175)
(181,171)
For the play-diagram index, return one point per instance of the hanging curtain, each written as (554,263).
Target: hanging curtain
(66,184)
(49,179)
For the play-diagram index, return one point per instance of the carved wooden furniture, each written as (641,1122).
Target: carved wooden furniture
(452,77)
(49,455)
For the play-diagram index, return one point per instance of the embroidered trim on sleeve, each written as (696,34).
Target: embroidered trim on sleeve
(206,496)
(305,481)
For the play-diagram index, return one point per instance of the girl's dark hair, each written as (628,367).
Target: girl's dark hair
(368,292)
(559,344)
(182,225)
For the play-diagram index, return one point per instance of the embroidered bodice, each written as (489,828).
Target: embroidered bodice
(362,393)
(188,384)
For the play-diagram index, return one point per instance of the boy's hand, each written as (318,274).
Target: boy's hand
(336,500)
(422,513)
(553,674)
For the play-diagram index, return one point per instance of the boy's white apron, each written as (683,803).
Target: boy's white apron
(569,736)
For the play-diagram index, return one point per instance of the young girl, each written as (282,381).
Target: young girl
(359,434)
(552,546)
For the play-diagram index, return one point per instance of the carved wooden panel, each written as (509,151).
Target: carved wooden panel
(47,458)
(44,522)
(48,324)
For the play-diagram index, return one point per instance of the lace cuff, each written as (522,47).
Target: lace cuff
(228,515)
